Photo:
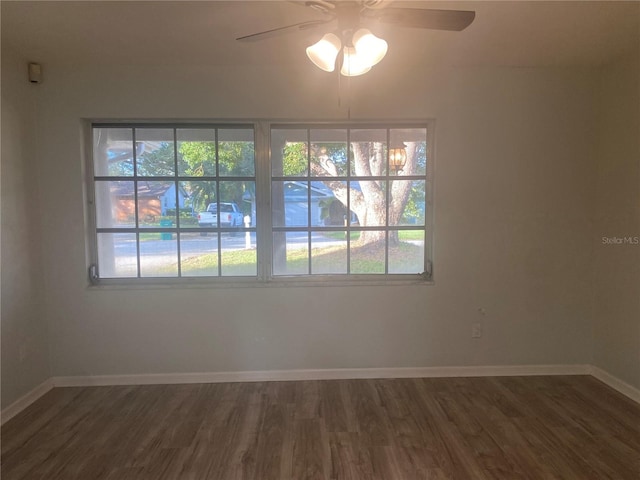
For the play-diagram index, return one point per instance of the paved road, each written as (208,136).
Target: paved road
(196,244)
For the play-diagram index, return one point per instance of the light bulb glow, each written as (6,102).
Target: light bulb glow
(353,64)
(369,47)
(397,157)
(323,53)
(363,52)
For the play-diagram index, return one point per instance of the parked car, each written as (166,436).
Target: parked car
(230,215)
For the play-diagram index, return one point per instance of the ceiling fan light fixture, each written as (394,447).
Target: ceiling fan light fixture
(353,64)
(324,52)
(369,47)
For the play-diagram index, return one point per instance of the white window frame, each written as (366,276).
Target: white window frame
(263,229)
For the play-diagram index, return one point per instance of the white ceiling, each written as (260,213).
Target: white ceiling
(576,33)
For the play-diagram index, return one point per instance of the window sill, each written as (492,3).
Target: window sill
(279,282)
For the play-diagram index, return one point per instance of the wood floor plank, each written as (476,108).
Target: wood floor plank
(269,443)
(459,459)
(351,459)
(308,451)
(511,428)
(332,407)
(373,426)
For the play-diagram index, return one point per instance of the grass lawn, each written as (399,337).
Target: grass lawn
(403,258)
(145,237)
(411,235)
(234,263)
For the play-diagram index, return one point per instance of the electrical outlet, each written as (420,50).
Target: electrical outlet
(476,330)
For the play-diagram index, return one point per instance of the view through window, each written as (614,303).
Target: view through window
(199,200)
(348,200)
(174,202)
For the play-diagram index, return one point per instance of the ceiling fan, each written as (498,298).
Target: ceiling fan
(360,49)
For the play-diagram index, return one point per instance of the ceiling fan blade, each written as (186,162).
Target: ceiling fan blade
(254,37)
(425,18)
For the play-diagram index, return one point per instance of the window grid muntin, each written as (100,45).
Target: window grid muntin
(176,179)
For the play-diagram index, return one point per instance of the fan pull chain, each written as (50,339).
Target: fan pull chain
(348,98)
(339,89)
(348,94)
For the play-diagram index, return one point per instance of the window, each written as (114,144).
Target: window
(158,192)
(341,206)
(260,202)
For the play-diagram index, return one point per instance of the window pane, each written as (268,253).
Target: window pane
(117,255)
(196,152)
(187,213)
(249,206)
(406,251)
(155,154)
(236,152)
(237,199)
(157,204)
(375,199)
(368,152)
(331,211)
(290,204)
(113,152)
(115,204)
(198,255)
(328,152)
(199,195)
(328,253)
(289,153)
(236,259)
(407,202)
(158,255)
(291,253)
(415,142)
(368,255)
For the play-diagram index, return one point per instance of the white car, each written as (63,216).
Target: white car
(230,215)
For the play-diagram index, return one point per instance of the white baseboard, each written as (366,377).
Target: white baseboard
(614,382)
(25,400)
(326,374)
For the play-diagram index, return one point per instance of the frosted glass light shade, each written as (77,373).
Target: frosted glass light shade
(353,64)
(369,47)
(323,53)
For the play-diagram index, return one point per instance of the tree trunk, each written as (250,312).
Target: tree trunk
(369,237)
(370,202)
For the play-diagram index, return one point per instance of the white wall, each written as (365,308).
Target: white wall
(25,358)
(515,176)
(617,272)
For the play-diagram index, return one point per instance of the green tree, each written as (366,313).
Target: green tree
(234,159)
(294,159)
(158,162)
(368,202)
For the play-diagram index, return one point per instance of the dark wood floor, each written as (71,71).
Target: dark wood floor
(457,428)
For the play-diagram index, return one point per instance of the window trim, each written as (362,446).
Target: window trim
(263,179)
